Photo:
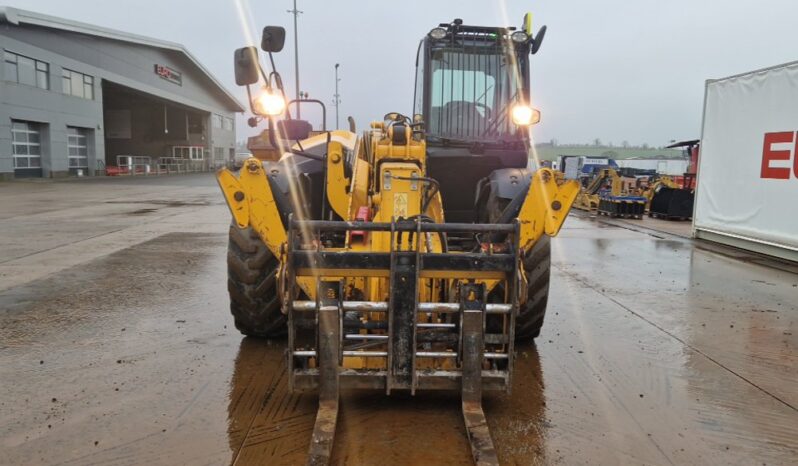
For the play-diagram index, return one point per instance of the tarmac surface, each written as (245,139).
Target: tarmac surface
(116,347)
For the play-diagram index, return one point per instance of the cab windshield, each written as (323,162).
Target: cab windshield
(471,91)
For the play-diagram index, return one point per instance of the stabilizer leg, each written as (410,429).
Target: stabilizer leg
(473,328)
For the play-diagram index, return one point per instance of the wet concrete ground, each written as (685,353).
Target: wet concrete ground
(116,348)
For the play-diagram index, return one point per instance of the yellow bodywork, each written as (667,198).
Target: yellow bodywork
(546,206)
(389,180)
(252,203)
(392,176)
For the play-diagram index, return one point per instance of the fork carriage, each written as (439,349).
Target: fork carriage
(396,344)
(457,339)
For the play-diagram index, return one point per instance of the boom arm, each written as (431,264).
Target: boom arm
(606,173)
(546,206)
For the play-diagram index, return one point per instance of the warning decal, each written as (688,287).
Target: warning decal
(400,205)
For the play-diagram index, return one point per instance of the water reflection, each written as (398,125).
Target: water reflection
(269,425)
(518,421)
(266,423)
(601,244)
(742,353)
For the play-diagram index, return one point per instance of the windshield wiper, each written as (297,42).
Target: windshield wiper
(483,95)
(502,115)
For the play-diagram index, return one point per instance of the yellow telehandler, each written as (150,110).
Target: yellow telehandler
(409,257)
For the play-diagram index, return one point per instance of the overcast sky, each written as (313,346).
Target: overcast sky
(630,70)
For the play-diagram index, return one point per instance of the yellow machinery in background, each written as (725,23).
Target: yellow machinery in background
(375,254)
(607,194)
(667,199)
(654,186)
(605,179)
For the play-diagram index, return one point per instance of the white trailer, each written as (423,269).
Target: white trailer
(747,192)
(662,166)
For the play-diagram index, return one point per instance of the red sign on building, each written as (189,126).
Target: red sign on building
(169,74)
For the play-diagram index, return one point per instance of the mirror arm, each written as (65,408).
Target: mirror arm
(272,139)
(263,74)
(278,82)
(271,60)
(249,99)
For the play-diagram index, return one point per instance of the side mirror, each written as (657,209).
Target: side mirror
(535,116)
(538,40)
(293,129)
(524,115)
(246,66)
(273,39)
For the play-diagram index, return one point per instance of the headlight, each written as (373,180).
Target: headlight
(268,103)
(519,37)
(524,115)
(438,33)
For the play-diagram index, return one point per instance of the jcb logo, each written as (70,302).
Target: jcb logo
(770,155)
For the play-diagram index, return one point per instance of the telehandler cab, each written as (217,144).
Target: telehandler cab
(412,256)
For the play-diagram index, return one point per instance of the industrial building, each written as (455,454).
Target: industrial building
(77,99)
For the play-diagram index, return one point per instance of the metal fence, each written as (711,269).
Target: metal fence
(140,165)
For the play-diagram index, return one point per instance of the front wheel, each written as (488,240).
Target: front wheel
(252,284)
(537,268)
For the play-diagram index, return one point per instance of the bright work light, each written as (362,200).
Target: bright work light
(438,33)
(269,103)
(524,115)
(519,37)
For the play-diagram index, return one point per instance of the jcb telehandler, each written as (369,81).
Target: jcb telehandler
(412,256)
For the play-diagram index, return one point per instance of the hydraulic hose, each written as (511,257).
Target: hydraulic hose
(430,193)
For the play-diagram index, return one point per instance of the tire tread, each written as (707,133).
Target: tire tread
(252,285)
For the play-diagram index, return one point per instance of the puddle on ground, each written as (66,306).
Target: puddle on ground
(652,353)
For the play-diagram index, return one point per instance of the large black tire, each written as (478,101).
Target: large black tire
(252,284)
(537,266)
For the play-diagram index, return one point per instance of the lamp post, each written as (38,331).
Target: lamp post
(296,13)
(336,96)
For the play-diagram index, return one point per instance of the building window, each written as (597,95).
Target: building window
(78,147)
(42,75)
(77,84)
(24,70)
(188,152)
(26,144)
(217,120)
(196,123)
(228,124)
